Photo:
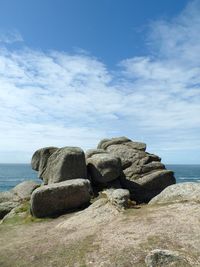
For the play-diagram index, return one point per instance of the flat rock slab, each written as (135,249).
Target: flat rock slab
(56,199)
(183,192)
(105,143)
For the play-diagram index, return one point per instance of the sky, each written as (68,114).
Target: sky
(73,72)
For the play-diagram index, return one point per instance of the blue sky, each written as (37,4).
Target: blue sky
(74,72)
(107,29)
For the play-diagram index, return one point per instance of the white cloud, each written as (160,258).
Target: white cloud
(54,98)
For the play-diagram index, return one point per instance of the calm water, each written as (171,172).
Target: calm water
(13,174)
(185,173)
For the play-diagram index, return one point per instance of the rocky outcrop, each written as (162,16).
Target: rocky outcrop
(165,258)
(58,198)
(143,173)
(184,192)
(117,163)
(65,164)
(103,167)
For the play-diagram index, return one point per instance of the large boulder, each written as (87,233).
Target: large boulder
(25,189)
(40,158)
(143,173)
(103,167)
(183,192)
(55,199)
(65,164)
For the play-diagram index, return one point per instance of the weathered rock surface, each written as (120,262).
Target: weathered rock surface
(103,167)
(90,152)
(12,199)
(6,207)
(65,164)
(165,258)
(25,189)
(55,199)
(118,197)
(105,143)
(183,192)
(8,196)
(40,158)
(143,173)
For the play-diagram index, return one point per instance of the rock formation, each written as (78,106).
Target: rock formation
(143,174)
(118,167)
(117,163)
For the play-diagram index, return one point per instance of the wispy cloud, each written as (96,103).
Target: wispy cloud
(10,36)
(55,98)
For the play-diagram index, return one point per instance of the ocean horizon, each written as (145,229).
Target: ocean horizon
(12,174)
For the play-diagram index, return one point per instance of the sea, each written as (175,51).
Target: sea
(13,174)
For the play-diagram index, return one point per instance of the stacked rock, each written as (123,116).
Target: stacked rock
(69,175)
(143,174)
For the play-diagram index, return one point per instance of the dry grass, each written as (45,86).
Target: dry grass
(101,236)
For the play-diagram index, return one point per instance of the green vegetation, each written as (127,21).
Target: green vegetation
(22,215)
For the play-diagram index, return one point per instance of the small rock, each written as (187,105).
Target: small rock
(118,197)
(165,258)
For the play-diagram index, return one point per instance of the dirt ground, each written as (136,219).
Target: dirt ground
(102,236)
